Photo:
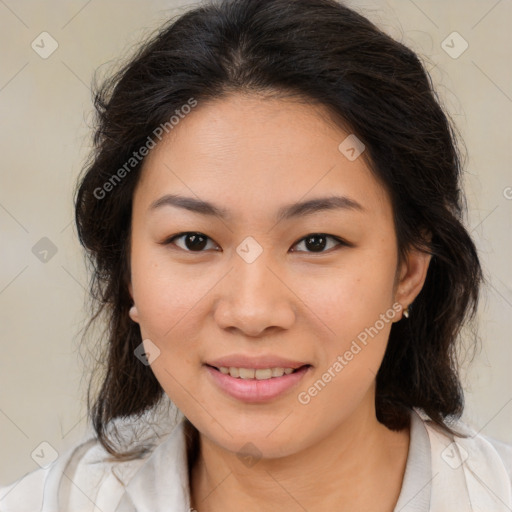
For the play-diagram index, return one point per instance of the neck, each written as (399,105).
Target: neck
(359,466)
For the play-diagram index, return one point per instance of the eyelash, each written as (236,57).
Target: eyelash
(340,241)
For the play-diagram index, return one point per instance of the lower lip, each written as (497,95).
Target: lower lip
(253,390)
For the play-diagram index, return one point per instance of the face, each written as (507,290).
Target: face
(255,283)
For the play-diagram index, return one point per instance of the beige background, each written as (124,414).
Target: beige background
(45,110)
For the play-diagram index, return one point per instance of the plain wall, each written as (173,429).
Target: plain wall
(45,112)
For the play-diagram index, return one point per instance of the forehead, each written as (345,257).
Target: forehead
(254,153)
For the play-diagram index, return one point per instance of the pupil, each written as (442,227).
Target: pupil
(198,242)
(315,246)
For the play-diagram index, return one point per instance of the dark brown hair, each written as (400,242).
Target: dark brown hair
(324,53)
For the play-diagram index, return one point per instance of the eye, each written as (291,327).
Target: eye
(196,242)
(316,242)
(193,241)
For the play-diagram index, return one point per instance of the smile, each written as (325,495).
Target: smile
(255,373)
(256,384)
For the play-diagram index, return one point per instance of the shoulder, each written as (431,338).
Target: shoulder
(479,455)
(467,471)
(82,476)
(504,451)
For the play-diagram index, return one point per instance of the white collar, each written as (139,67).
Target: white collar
(162,480)
(478,481)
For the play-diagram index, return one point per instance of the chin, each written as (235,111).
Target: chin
(269,437)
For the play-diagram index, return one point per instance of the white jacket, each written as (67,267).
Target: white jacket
(443,474)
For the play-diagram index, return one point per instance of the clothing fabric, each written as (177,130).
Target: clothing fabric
(444,473)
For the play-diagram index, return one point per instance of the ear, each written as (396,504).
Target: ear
(412,275)
(134,314)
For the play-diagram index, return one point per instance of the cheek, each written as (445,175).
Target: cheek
(164,291)
(169,304)
(354,294)
(354,304)
(358,315)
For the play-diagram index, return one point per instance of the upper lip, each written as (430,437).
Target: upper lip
(244,361)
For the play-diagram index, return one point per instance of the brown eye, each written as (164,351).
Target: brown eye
(317,242)
(192,241)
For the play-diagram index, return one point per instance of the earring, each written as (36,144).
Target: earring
(406,312)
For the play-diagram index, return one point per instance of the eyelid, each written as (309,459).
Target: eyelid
(341,242)
(170,239)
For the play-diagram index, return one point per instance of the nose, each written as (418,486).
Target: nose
(255,298)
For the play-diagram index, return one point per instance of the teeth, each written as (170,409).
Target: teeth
(252,373)
(263,374)
(243,373)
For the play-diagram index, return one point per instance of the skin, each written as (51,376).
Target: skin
(251,156)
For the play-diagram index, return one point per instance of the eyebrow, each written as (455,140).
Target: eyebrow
(286,212)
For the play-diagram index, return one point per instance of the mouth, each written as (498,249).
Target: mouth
(256,373)
(256,385)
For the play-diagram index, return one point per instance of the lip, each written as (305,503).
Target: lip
(243,361)
(253,390)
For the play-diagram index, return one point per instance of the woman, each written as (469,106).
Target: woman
(274,214)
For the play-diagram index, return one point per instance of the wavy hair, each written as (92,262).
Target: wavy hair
(321,52)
